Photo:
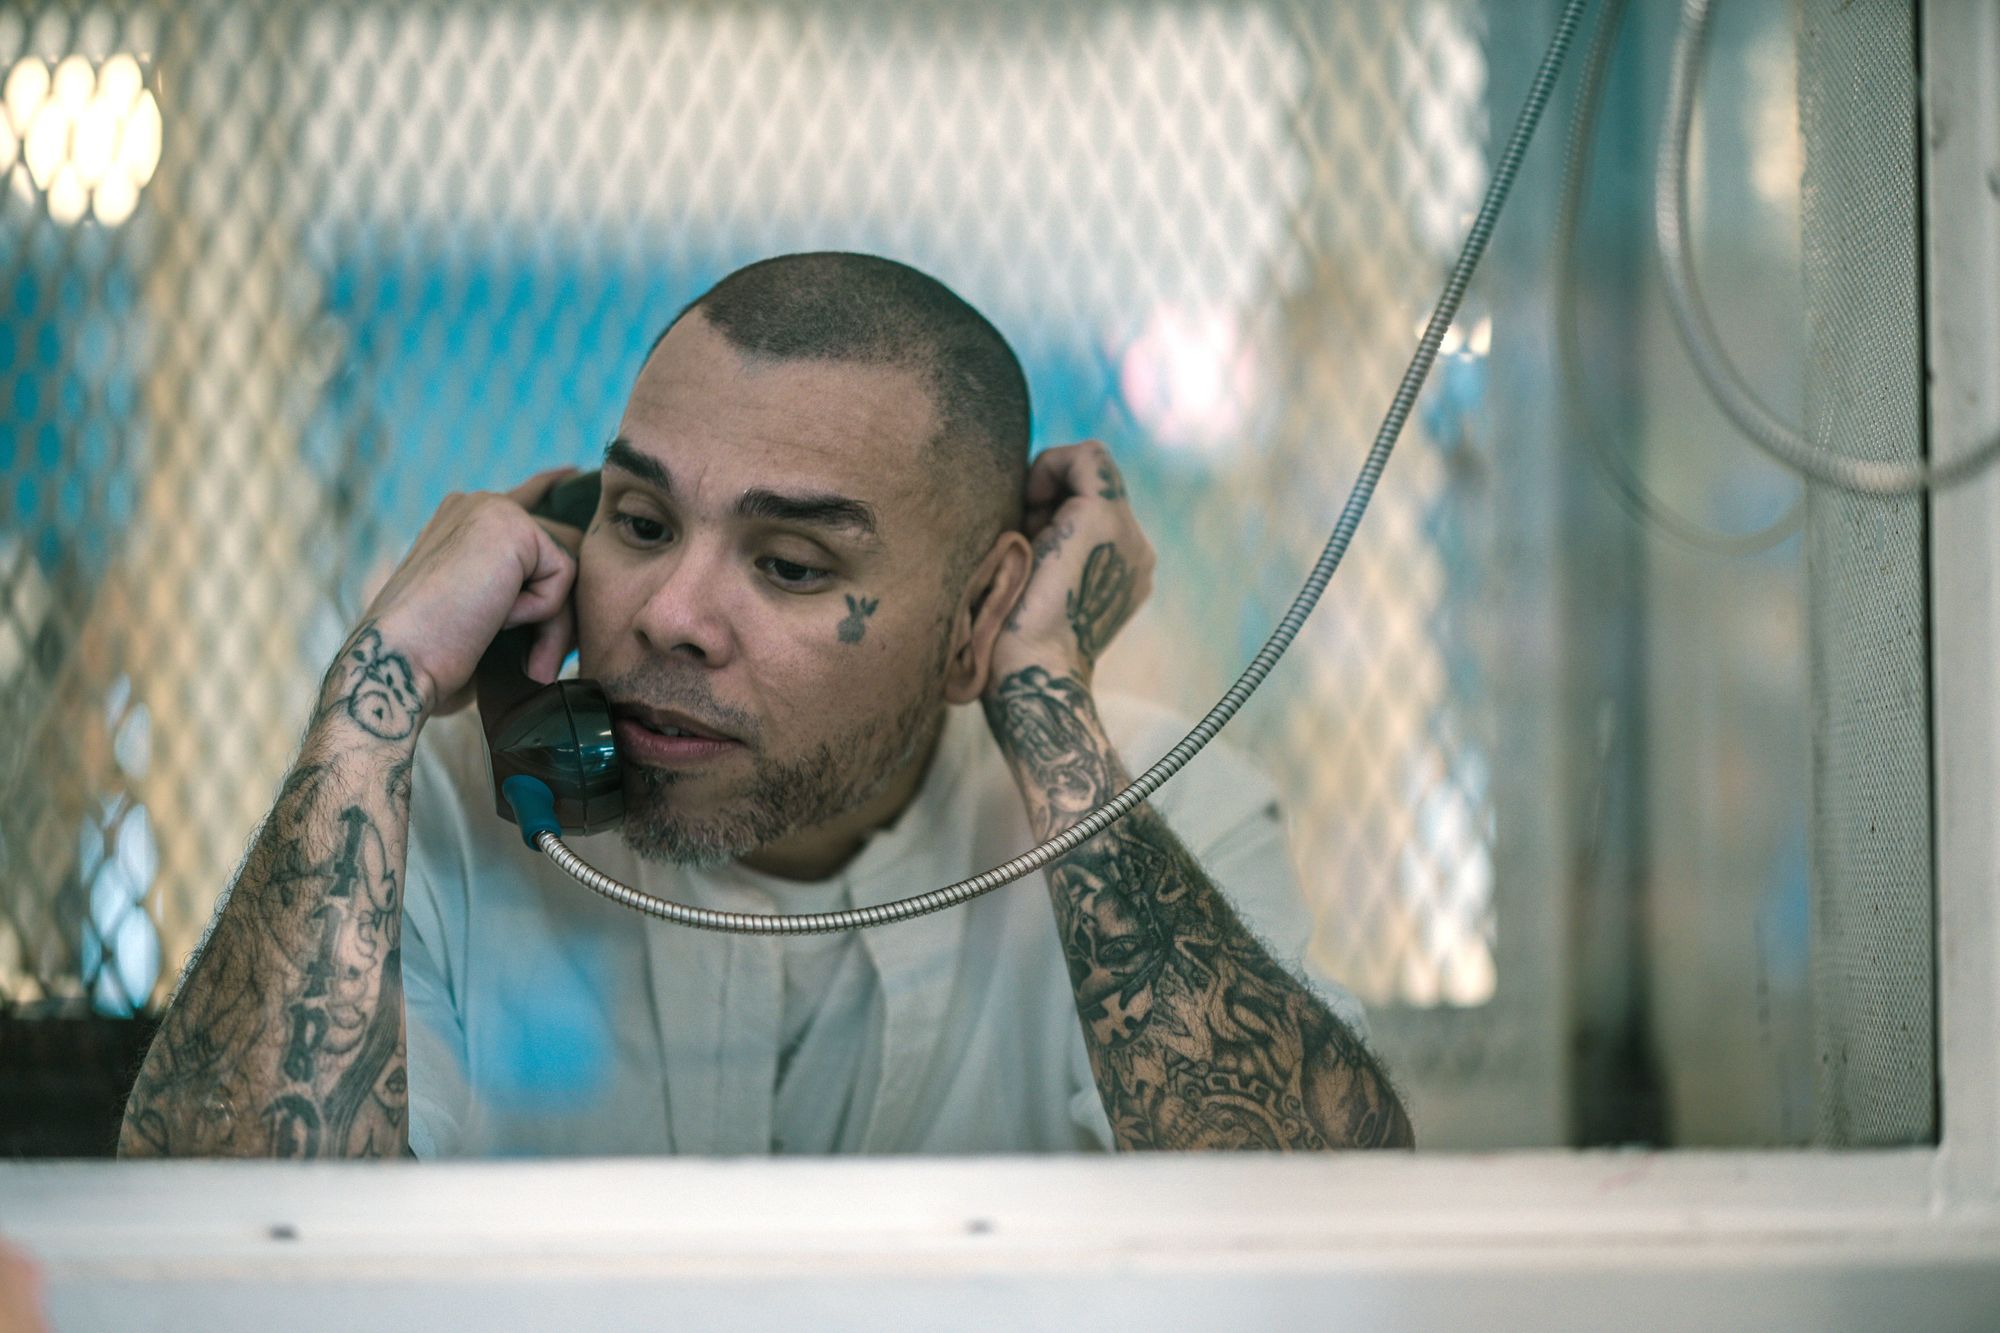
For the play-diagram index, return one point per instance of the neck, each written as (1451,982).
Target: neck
(823,850)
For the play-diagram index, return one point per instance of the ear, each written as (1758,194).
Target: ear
(996,585)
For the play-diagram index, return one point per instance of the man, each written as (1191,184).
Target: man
(818,538)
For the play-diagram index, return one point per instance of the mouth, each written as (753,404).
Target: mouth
(669,722)
(666,738)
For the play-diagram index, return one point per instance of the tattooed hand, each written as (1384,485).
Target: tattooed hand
(1093,566)
(481,565)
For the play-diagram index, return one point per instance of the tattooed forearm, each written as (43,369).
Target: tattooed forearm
(375,687)
(1197,1038)
(1045,724)
(286,1038)
(399,785)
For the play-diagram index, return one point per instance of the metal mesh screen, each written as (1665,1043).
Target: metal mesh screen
(274,278)
(1872,941)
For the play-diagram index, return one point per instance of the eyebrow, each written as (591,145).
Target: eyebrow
(816,510)
(621,455)
(812,509)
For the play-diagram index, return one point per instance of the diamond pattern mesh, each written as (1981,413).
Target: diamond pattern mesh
(1874,925)
(275,278)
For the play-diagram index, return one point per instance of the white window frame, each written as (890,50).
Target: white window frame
(1806,1237)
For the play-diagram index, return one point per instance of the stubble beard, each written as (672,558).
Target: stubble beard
(780,797)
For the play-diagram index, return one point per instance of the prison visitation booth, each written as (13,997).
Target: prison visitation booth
(1667,868)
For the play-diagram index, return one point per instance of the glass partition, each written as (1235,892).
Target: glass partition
(276,278)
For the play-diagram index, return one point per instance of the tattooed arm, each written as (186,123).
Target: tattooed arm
(1197,1038)
(286,1037)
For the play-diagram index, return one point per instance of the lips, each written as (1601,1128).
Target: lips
(669,722)
(665,738)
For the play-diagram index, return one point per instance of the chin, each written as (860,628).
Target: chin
(685,853)
(663,824)
(694,843)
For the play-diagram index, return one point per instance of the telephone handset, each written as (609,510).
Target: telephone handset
(564,730)
(555,766)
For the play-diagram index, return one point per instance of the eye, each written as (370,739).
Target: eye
(640,530)
(792,575)
(1118,950)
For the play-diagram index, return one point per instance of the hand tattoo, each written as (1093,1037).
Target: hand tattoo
(856,623)
(1197,1038)
(1044,548)
(1100,605)
(1050,539)
(1110,485)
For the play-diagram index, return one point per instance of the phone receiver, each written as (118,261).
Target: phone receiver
(554,762)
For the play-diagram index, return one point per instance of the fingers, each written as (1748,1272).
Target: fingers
(548,572)
(536,489)
(480,565)
(1083,469)
(545,603)
(1047,477)
(567,537)
(1035,519)
(553,639)
(530,492)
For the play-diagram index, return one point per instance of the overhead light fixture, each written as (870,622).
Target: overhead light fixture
(82,138)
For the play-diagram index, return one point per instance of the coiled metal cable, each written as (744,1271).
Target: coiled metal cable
(1718,372)
(1147,783)
(1621,478)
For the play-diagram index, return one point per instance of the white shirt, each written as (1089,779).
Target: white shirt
(543,1019)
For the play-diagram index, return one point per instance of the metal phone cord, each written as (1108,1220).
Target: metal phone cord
(804,923)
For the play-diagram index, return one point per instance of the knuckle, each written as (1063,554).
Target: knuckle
(497,510)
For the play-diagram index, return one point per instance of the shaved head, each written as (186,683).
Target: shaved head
(834,306)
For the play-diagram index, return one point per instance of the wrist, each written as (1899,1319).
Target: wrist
(1055,663)
(373,687)
(1047,728)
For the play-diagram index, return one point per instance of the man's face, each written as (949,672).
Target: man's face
(765,572)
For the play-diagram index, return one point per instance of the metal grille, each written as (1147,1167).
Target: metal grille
(1873,935)
(274,278)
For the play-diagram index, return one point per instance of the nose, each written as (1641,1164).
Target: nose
(685,614)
